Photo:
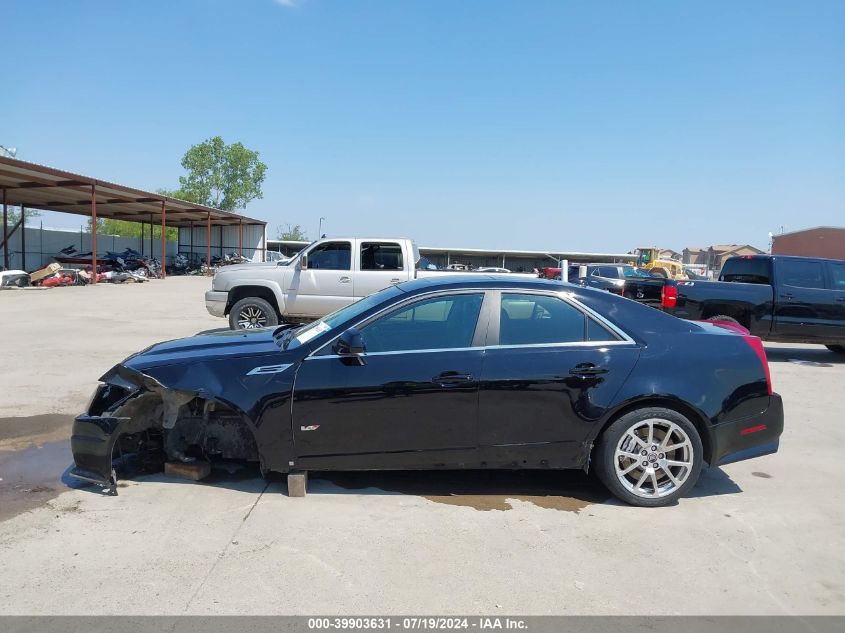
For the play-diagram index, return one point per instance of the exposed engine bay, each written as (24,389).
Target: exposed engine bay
(151,425)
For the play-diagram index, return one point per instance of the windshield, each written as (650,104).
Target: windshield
(302,335)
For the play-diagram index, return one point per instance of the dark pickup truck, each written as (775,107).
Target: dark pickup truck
(778,298)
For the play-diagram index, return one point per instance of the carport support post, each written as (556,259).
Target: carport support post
(23,237)
(208,243)
(241,238)
(163,241)
(5,232)
(94,234)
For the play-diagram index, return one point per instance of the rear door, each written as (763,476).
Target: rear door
(379,265)
(804,306)
(551,370)
(836,283)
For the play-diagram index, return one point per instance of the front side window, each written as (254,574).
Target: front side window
(381,256)
(529,319)
(837,276)
(444,322)
(331,256)
(802,274)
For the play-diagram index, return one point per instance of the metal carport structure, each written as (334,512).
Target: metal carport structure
(30,185)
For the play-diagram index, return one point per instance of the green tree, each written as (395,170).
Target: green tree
(291,233)
(124,228)
(223,176)
(13,214)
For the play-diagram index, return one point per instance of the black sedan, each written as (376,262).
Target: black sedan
(458,372)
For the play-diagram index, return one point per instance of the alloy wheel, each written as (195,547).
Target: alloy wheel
(653,458)
(250,318)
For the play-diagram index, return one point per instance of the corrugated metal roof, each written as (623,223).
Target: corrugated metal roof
(41,187)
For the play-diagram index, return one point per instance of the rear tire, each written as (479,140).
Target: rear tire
(838,349)
(659,272)
(251,313)
(667,475)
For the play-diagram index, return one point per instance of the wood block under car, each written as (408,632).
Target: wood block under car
(297,484)
(194,471)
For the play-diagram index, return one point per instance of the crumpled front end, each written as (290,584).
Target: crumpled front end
(136,422)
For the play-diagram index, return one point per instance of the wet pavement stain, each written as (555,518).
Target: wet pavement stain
(22,432)
(569,491)
(29,478)
(762,475)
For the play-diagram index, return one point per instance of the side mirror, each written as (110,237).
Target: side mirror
(349,343)
(303,262)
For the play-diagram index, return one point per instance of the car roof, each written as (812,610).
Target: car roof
(637,319)
(480,280)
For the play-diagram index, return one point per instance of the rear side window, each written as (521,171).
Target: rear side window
(381,256)
(801,274)
(837,276)
(747,271)
(529,319)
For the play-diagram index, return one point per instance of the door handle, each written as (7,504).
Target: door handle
(395,280)
(840,299)
(587,369)
(788,297)
(451,378)
(345,279)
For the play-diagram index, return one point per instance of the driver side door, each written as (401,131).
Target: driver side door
(409,401)
(325,285)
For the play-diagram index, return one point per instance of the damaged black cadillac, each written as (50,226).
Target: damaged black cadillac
(480,372)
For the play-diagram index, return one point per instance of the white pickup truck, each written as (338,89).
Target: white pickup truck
(324,276)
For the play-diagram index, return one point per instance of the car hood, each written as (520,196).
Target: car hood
(207,346)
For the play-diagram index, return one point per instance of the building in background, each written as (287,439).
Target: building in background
(712,257)
(821,241)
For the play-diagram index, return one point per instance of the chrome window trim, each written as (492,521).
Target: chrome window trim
(565,295)
(483,348)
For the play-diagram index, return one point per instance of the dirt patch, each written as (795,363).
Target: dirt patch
(761,474)
(29,478)
(23,432)
(568,491)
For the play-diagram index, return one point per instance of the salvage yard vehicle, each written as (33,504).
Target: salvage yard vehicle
(648,258)
(452,372)
(323,277)
(778,298)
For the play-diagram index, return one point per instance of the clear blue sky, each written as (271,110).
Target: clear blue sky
(505,124)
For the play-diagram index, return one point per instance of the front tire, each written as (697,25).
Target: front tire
(839,349)
(251,313)
(649,457)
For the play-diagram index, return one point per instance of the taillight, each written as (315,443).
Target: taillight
(669,296)
(757,345)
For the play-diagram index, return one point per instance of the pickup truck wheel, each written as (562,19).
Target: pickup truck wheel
(252,313)
(649,457)
(839,349)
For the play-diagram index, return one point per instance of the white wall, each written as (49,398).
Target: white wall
(43,244)
(254,240)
